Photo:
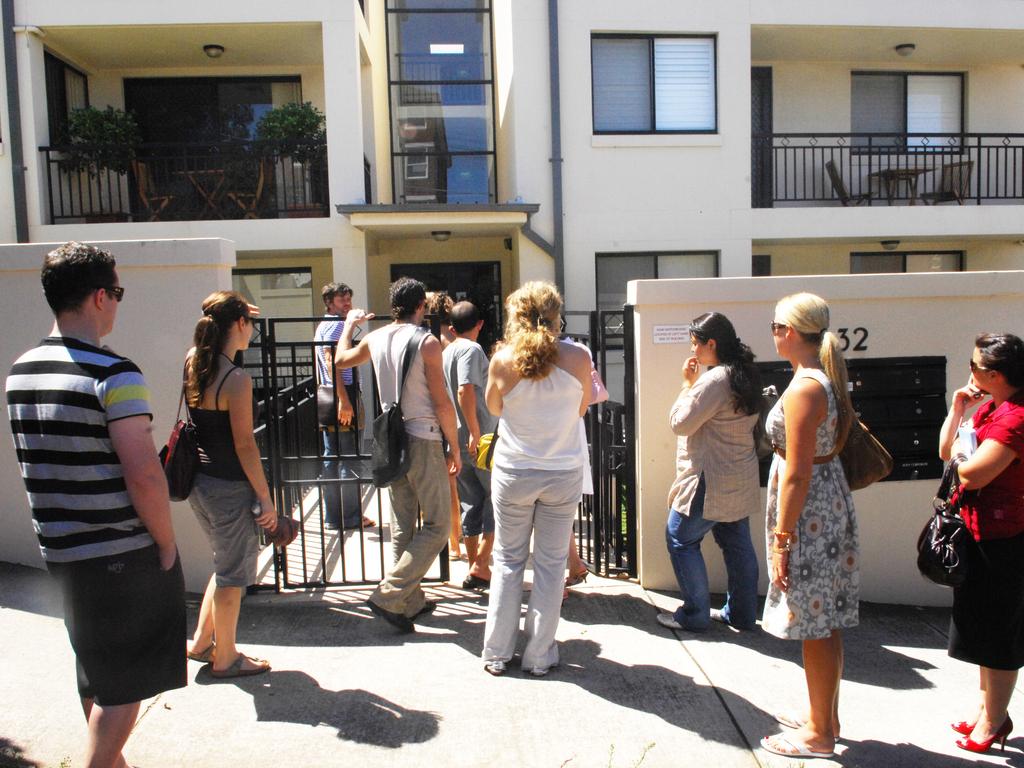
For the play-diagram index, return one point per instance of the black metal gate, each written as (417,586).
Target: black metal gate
(606,526)
(281,362)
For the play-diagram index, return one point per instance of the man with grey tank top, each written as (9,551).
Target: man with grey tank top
(428,415)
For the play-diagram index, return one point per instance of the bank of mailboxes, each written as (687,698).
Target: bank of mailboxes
(902,400)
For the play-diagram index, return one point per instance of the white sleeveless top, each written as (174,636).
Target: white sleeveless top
(387,349)
(540,424)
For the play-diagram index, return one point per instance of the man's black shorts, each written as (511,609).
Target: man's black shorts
(126,621)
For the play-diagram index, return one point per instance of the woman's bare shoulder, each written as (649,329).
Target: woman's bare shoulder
(806,392)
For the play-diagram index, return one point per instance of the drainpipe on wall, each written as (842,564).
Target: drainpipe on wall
(556,146)
(14,114)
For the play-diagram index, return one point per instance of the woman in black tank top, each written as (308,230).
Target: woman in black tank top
(230,479)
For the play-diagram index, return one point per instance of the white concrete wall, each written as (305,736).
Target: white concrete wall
(7,230)
(833,257)
(653,193)
(923,314)
(165,283)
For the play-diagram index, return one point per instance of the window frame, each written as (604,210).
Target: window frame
(57,125)
(905,75)
(960,255)
(654,114)
(394,81)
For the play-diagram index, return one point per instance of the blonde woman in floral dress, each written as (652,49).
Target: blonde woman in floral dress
(812,529)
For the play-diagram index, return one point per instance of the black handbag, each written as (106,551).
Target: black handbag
(180,456)
(942,547)
(390,458)
(326,406)
(762,443)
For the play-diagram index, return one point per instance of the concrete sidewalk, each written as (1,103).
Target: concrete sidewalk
(346,690)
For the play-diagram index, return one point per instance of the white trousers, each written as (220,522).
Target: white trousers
(541,503)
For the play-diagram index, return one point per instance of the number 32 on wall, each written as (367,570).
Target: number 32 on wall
(859,340)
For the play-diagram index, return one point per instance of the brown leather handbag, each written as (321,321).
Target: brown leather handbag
(865,460)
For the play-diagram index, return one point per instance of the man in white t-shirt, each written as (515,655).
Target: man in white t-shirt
(465,370)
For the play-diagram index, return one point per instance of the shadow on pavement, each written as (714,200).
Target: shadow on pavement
(357,715)
(13,756)
(870,658)
(29,589)
(651,689)
(877,753)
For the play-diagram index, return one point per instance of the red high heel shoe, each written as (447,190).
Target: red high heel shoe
(963,727)
(983,746)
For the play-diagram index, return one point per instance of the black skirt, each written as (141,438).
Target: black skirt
(987,626)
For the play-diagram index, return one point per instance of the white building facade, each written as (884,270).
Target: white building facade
(688,139)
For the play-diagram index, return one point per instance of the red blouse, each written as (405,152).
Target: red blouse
(997,510)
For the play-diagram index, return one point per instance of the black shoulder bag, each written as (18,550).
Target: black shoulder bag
(390,458)
(942,545)
(180,457)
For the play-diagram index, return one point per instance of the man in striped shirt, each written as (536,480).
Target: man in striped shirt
(344,507)
(80,417)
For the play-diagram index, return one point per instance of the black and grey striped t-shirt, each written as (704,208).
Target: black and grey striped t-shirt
(60,398)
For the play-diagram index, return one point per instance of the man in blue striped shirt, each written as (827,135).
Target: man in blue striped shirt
(344,507)
(81,422)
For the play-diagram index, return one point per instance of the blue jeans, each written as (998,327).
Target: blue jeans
(340,502)
(683,534)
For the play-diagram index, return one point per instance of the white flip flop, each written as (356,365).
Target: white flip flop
(797,750)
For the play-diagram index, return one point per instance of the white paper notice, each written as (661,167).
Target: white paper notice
(968,439)
(672,334)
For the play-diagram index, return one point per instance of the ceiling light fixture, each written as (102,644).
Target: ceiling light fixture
(441,235)
(905,49)
(889,245)
(213,50)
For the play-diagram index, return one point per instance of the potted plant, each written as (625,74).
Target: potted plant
(298,132)
(101,141)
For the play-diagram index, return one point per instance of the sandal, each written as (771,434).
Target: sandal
(237,670)
(204,656)
(577,578)
(780,745)
(793,722)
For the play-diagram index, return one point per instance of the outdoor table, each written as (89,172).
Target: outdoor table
(891,178)
(209,183)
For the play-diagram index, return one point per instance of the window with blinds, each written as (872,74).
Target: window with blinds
(899,102)
(648,84)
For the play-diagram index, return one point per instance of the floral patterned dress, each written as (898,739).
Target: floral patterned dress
(824,564)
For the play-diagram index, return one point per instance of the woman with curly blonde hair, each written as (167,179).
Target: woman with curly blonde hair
(540,387)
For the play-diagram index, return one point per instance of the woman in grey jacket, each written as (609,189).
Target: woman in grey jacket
(716,485)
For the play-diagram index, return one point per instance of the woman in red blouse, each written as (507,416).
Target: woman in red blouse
(987,626)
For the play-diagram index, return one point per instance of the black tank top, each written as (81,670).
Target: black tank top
(217,456)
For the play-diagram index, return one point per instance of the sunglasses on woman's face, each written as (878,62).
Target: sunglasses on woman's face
(975,367)
(777,327)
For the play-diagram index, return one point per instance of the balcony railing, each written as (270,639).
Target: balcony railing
(793,169)
(187,182)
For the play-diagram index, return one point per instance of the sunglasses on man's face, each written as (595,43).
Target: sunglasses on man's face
(114,290)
